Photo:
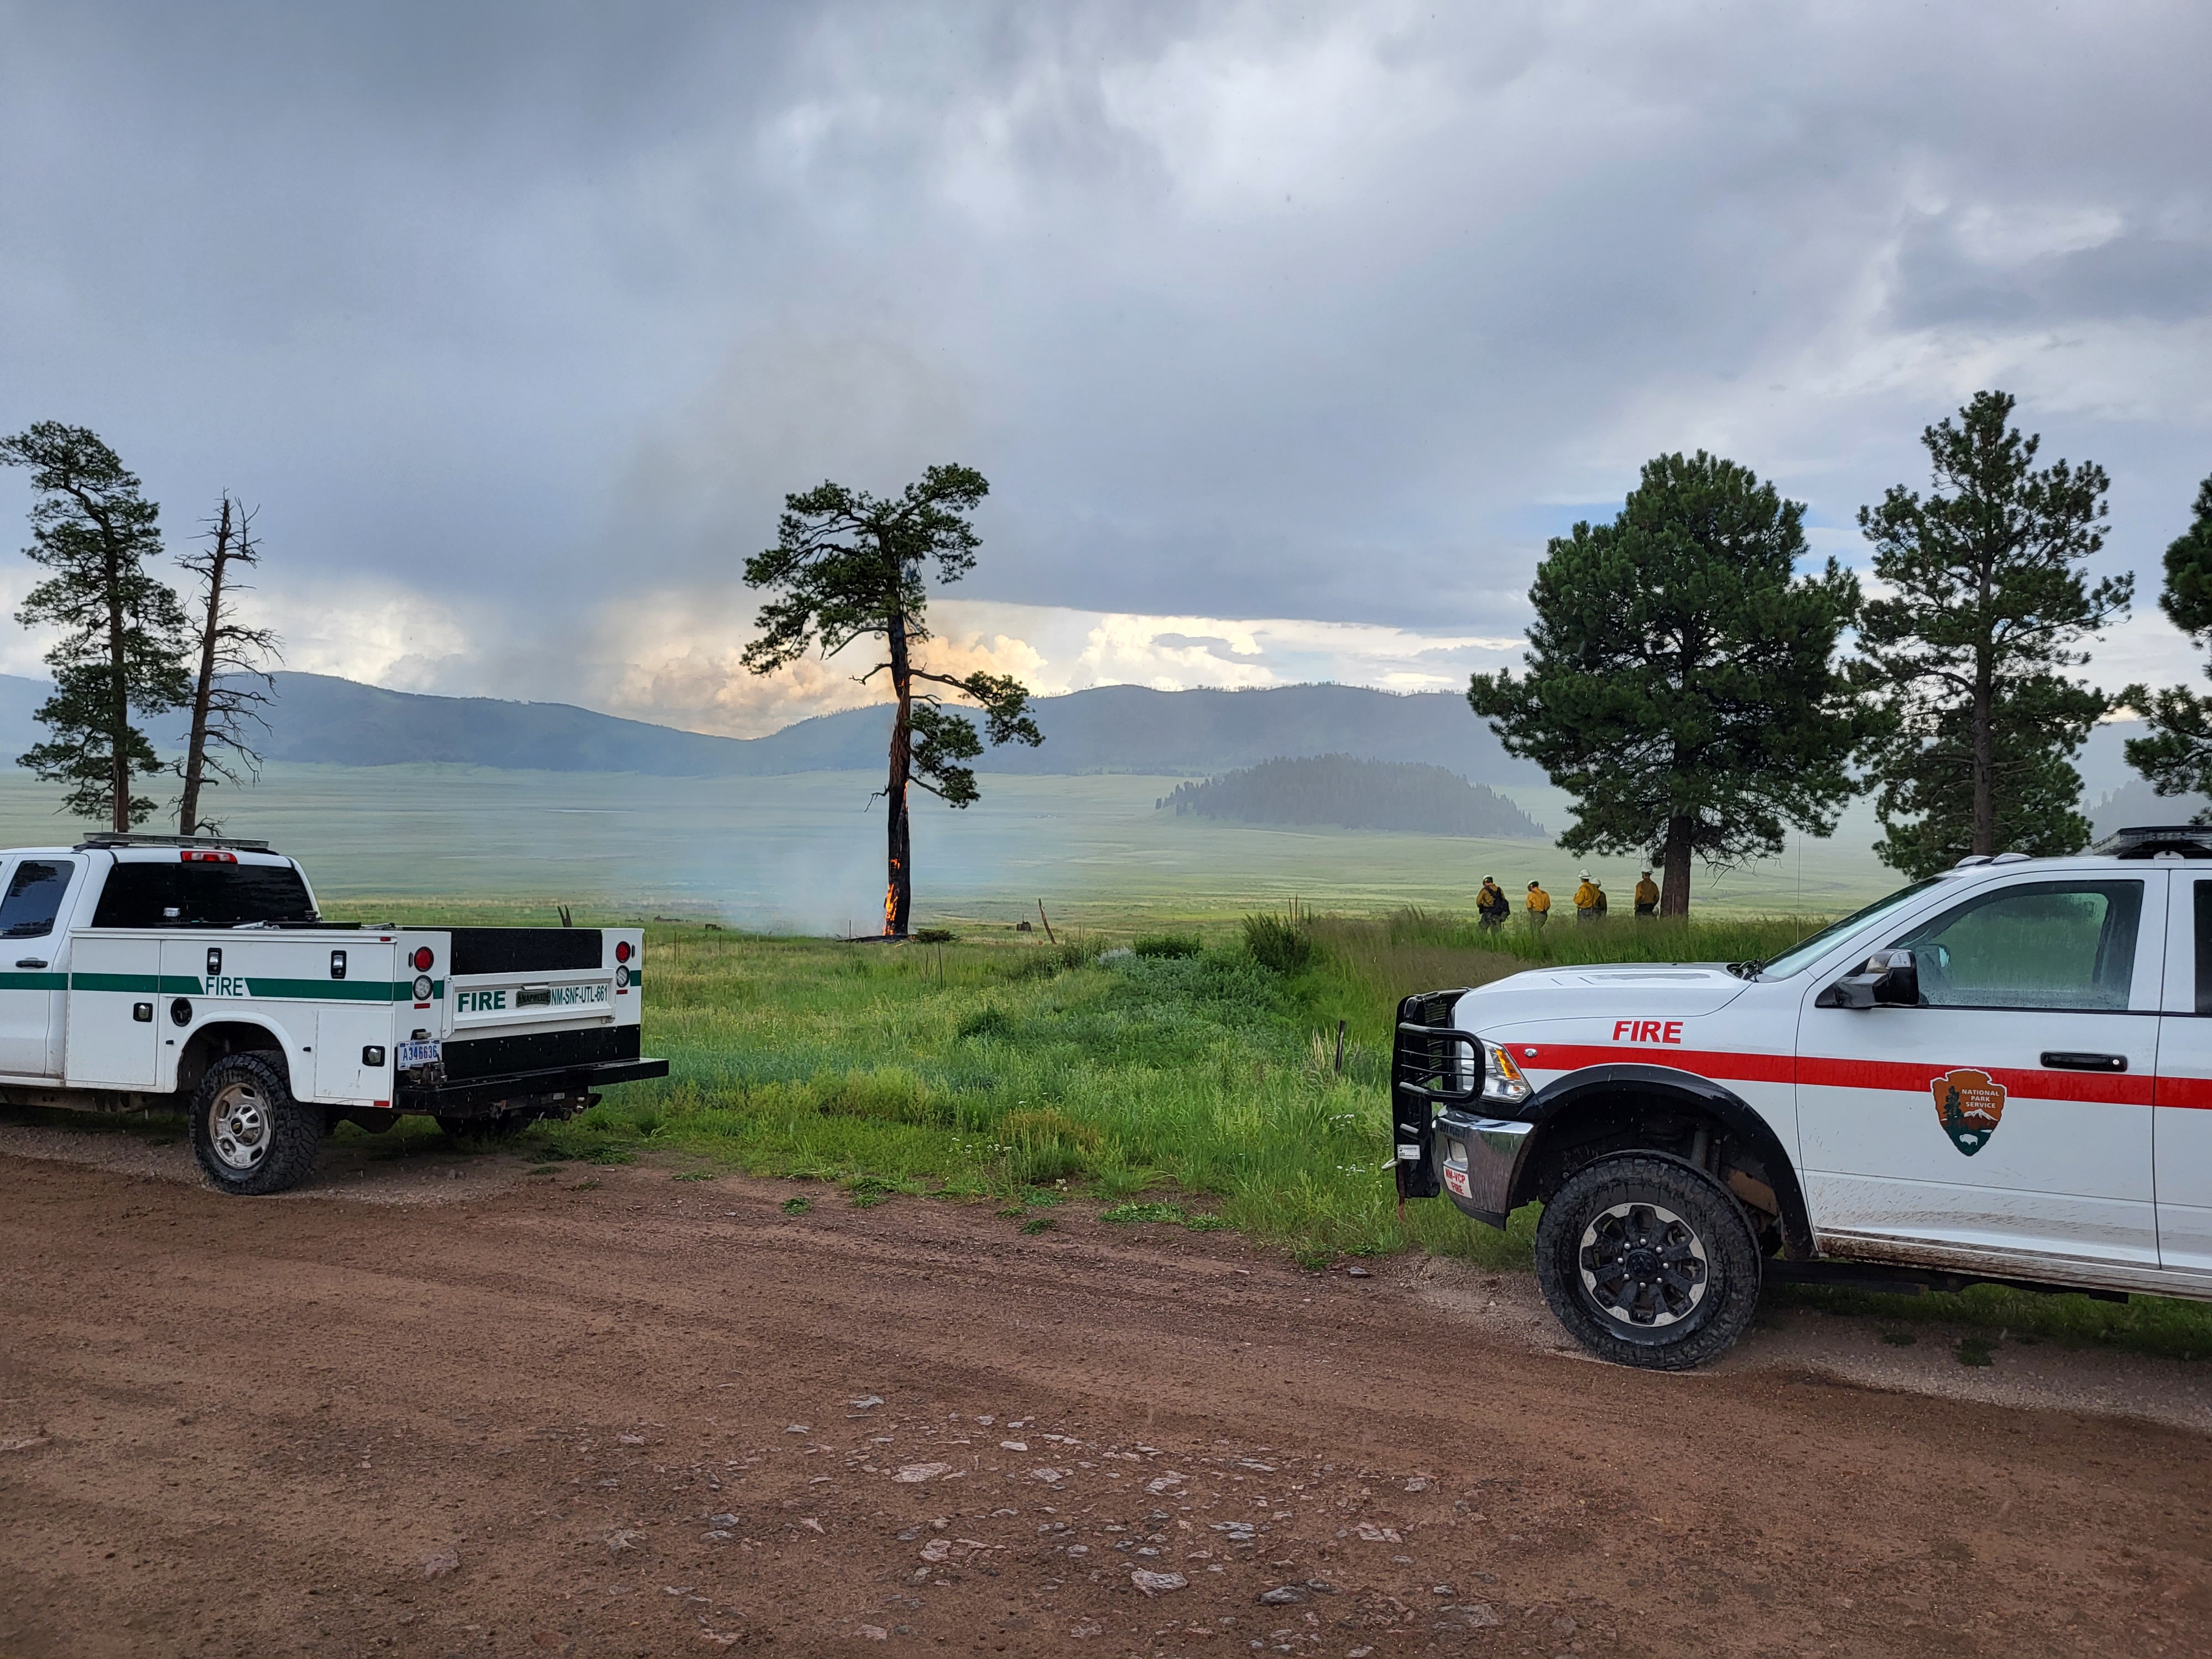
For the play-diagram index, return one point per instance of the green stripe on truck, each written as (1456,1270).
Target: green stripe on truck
(256,988)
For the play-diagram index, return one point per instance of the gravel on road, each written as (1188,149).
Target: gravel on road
(601,1411)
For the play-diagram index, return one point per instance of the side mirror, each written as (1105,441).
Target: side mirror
(1891,979)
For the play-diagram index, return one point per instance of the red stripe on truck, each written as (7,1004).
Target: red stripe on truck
(1907,1077)
(2191,1094)
(1728,1067)
(1915,1078)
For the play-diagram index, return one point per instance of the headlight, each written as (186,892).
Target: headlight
(1503,1081)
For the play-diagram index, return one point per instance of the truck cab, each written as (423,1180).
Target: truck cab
(2002,1074)
(148,972)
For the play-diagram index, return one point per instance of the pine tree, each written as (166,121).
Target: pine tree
(849,566)
(1962,658)
(1680,681)
(233,656)
(122,629)
(2176,758)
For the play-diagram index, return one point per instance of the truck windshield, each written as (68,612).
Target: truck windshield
(1801,954)
(153,894)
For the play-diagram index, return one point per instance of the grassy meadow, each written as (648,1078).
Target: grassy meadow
(805,855)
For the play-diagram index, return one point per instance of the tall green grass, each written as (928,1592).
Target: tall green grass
(1617,938)
(1022,1074)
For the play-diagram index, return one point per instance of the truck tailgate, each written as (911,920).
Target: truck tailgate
(531,1013)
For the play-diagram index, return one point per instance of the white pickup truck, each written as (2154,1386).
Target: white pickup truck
(152,972)
(2003,1073)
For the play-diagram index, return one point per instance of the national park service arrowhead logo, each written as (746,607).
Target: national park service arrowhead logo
(1970,1106)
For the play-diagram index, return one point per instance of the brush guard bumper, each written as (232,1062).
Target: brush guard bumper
(1431,1064)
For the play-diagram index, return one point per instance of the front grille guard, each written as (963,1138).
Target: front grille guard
(1426,1064)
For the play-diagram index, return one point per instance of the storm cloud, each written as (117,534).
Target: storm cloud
(518,320)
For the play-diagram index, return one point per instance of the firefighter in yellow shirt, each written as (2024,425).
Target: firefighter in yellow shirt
(1589,904)
(1540,907)
(1492,906)
(1647,896)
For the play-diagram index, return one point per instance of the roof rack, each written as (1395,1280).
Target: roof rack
(2188,840)
(110,841)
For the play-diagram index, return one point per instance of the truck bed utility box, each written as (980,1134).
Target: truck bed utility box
(148,971)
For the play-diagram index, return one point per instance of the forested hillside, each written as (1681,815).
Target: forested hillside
(1355,794)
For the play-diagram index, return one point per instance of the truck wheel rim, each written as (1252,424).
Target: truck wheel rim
(1643,1265)
(238,1128)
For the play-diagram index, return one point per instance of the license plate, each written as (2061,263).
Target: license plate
(412,1055)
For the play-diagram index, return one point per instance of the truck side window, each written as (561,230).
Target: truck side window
(150,893)
(2057,944)
(2204,897)
(34,897)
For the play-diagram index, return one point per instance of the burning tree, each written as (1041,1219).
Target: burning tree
(848,566)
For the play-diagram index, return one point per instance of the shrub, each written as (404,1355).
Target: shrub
(1037,1123)
(934,936)
(989,1021)
(1043,1162)
(1071,952)
(1277,944)
(891,1095)
(1169,944)
(1045,1145)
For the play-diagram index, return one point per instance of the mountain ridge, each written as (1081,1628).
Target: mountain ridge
(322,720)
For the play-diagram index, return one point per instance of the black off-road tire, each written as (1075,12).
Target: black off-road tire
(1648,1261)
(250,1135)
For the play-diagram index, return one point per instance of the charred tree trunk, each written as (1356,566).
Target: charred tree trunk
(118,725)
(1674,871)
(898,888)
(188,804)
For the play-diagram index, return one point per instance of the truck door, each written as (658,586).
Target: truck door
(34,963)
(2181,1131)
(2012,1111)
(117,1012)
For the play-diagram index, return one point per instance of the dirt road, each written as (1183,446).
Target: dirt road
(614,1413)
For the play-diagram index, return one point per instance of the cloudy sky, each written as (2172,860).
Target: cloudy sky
(1285,335)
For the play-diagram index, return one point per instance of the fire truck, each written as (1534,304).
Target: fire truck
(2002,1074)
(158,973)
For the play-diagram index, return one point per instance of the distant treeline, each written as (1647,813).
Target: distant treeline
(1356,794)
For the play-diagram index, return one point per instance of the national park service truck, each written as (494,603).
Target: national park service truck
(2000,1074)
(150,972)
